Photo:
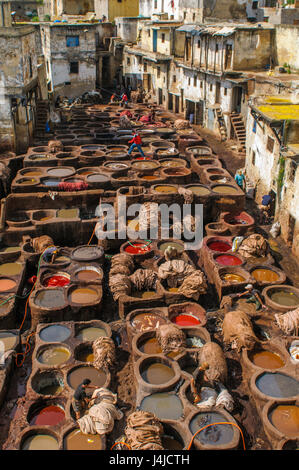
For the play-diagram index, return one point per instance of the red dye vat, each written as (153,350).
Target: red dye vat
(185,320)
(57,281)
(228,260)
(50,416)
(137,248)
(219,246)
(143,158)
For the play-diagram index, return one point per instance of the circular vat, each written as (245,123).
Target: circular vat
(164,405)
(267,275)
(167,152)
(55,333)
(179,172)
(92,332)
(87,253)
(31,172)
(165,188)
(46,413)
(76,440)
(196,337)
(39,149)
(285,419)
(50,181)
(199,189)
(64,155)
(97,178)
(146,343)
(11,269)
(223,436)
(175,244)
(116,167)
(43,216)
(39,440)
(136,248)
(76,376)
(50,298)
(228,260)
(187,314)
(266,357)
(233,275)
(89,274)
(173,163)
(282,297)
(84,353)
(219,244)
(18,220)
(241,218)
(145,319)
(68,213)
(145,165)
(60,172)
(55,279)
(225,189)
(156,370)
(275,385)
(172,439)
(88,295)
(48,382)
(9,340)
(7,284)
(53,355)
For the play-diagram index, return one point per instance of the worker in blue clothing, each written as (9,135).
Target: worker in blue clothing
(240,179)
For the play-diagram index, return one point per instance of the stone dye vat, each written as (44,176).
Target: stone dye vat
(53,355)
(76,440)
(165,405)
(39,441)
(76,376)
(54,333)
(275,385)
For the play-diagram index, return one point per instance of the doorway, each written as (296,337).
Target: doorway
(155,40)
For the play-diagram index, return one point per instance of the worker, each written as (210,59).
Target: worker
(112,99)
(80,399)
(50,254)
(136,142)
(240,179)
(254,297)
(265,207)
(124,100)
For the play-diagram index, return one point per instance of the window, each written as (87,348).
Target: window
(193,16)
(30,67)
(158,72)
(149,33)
(198,43)
(195,81)
(201,84)
(270,144)
(72,41)
(225,91)
(211,86)
(74,67)
(174,79)
(145,67)
(185,15)
(255,5)
(163,37)
(128,61)
(216,48)
(156,5)
(139,60)
(119,1)
(253,157)
(189,81)
(293,168)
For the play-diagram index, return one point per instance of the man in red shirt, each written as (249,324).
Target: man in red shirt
(124,100)
(136,142)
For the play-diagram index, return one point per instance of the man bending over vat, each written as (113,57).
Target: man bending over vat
(50,254)
(80,399)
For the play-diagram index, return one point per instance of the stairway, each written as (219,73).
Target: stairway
(239,129)
(221,123)
(42,107)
